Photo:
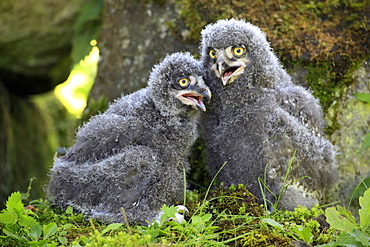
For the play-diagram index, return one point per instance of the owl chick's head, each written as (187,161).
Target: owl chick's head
(231,49)
(177,86)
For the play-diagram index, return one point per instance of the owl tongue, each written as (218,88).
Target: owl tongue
(197,99)
(227,74)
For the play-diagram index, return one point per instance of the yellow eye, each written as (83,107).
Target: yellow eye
(212,53)
(183,82)
(238,51)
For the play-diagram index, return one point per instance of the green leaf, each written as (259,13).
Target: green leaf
(50,229)
(27,221)
(35,232)
(69,210)
(364,211)
(67,226)
(84,240)
(91,11)
(304,233)
(361,237)
(14,202)
(366,143)
(110,227)
(206,217)
(63,240)
(10,234)
(196,220)
(330,244)
(273,223)
(8,217)
(362,97)
(347,241)
(346,213)
(338,221)
(154,233)
(169,212)
(25,196)
(39,243)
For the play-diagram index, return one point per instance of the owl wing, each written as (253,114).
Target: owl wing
(105,135)
(130,179)
(300,104)
(304,129)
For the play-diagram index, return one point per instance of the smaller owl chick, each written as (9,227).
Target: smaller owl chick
(259,120)
(133,155)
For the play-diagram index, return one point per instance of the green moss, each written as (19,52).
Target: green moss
(97,239)
(237,215)
(307,31)
(240,219)
(264,238)
(226,217)
(302,217)
(231,200)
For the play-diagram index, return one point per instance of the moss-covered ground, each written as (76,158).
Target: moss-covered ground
(220,217)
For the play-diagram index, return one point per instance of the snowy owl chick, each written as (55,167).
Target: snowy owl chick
(133,155)
(258,119)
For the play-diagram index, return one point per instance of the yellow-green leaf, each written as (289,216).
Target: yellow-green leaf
(50,229)
(366,143)
(364,211)
(113,226)
(273,223)
(365,97)
(8,217)
(338,221)
(14,202)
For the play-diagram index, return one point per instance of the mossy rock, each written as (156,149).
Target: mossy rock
(353,120)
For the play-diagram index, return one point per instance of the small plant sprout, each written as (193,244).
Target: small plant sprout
(171,213)
(364,97)
(351,233)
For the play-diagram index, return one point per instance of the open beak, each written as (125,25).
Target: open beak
(228,73)
(194,98)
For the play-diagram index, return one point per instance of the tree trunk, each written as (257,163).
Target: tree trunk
(135,35)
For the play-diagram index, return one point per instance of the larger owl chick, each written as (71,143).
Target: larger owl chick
(133,155)
(259,120)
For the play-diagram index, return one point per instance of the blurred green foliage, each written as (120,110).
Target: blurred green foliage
(86,29)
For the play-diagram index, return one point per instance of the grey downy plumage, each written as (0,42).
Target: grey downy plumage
(133,155)
(258,119)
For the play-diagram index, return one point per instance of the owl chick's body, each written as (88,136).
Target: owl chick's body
(133,155)
(258,119)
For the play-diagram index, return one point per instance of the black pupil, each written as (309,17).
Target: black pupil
(238,50)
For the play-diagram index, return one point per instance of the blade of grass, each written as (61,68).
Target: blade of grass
(184,174)
(213,180)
